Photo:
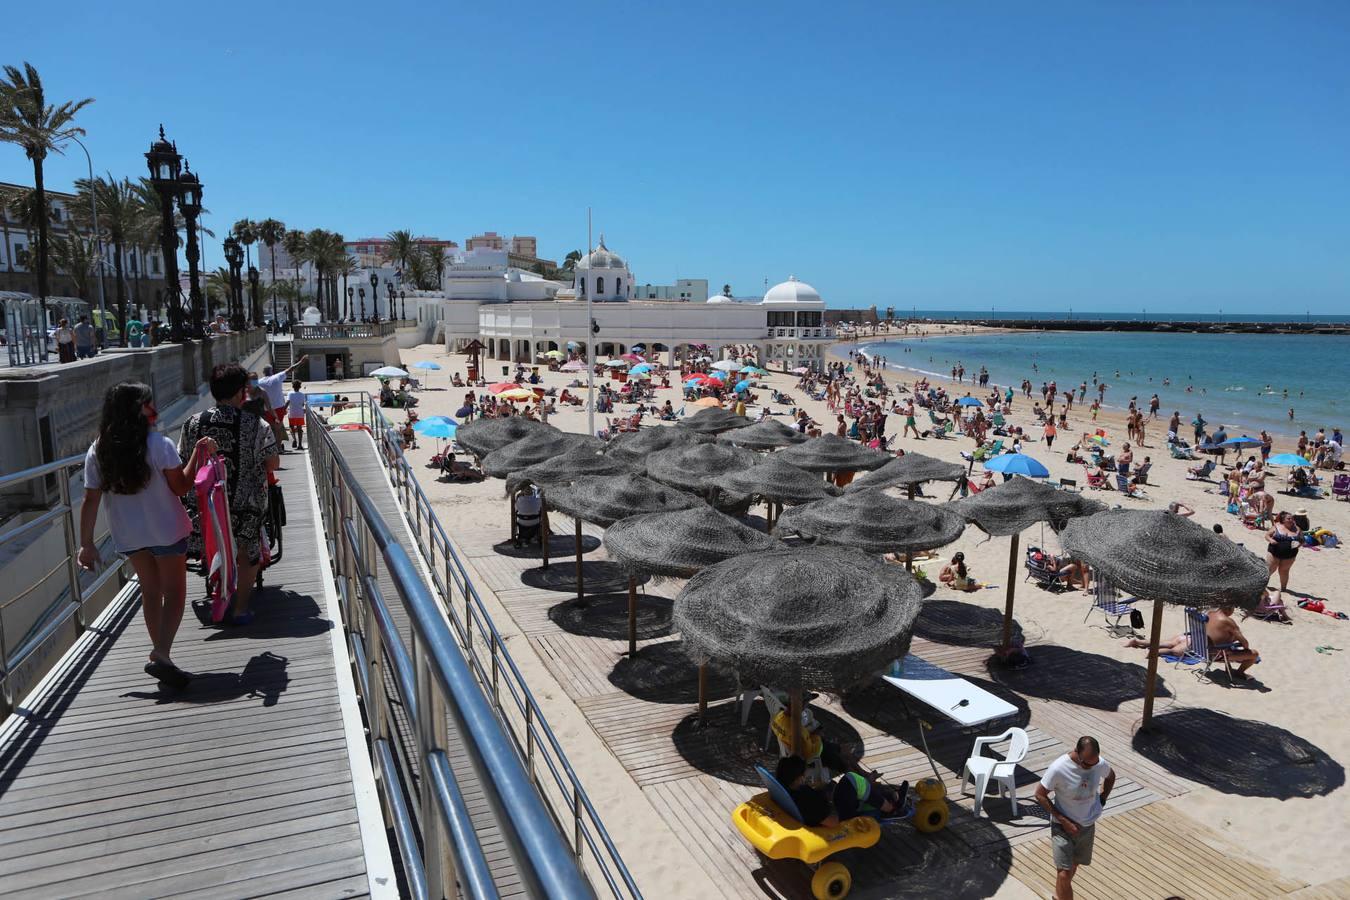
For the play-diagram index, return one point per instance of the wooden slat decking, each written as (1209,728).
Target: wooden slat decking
(241,785)
(358,450)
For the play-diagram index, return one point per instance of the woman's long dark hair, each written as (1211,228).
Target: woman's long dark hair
(122,432)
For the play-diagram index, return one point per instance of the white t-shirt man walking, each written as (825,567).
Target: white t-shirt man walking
(1081,781)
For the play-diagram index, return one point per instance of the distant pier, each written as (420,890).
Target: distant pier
(1140,325)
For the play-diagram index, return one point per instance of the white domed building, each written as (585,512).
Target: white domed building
(603,276)
(795,322)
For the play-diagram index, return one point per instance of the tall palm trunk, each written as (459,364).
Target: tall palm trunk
(40,192)
(121,291)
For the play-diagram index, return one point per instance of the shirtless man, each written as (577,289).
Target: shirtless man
(1220,629)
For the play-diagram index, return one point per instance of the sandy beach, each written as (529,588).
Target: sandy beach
(1295,687)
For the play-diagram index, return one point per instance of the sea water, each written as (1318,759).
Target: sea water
(1245,381)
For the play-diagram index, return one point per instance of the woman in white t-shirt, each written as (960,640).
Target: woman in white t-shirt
(140,472)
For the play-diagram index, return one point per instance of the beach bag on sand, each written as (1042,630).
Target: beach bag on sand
(218,556)
(1136,619)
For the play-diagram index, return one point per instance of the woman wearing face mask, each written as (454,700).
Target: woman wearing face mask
(140,472)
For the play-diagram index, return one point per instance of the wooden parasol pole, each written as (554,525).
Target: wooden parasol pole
(511,513)
(1012,583)
(702,692)
(795,721)
(1152,663)
(909,556)
(543,529)
(581,589)
(632,616)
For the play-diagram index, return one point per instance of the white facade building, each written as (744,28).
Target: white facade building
(689,290)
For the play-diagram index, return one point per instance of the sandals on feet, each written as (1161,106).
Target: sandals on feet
(168,674)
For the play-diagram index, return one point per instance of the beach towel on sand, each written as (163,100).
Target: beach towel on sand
(218,554)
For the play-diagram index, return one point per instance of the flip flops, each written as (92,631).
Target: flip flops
(168,674)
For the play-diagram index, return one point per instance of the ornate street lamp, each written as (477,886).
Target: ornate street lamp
(362,292)
(190,201)
(389,287)
(234,258)
(347,309)
(253,296)
(403,303)
(374,296)
(164,164)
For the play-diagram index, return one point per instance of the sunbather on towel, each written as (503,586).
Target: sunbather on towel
(1176,645)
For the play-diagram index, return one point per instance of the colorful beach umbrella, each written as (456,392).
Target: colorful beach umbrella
(436,429)
(968,401)
(641,367)
(800,370)
(356,415)
(1279,459)
(742,386)
(708,401)
(1241,443)
(428,365)
(500,386)
(518,393)
(389,372)
(1017,464)
(726,365)
(575,365)
(327,399)
(616,363)
(632,357)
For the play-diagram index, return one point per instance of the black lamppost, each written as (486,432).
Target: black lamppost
(253,296)
(362,292)
(164,164)
(374,295)
(403,303)
(389,287)
(190,201)
(347,309)
(234,258)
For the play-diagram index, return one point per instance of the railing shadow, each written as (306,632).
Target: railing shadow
(1238,756)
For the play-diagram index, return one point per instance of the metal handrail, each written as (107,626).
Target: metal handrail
(523,718)
(435,684)
(70,604)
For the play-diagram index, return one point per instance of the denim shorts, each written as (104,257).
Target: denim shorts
(175,549)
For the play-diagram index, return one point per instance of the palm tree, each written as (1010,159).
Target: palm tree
(283,292)
(325,251)
(402,247)
(418,271)
(120,214)
(26,119)
(245,231)
(21,205)
(348,266)
(270,232)
(77,257)
(219,288)
(297,248)
(438,259)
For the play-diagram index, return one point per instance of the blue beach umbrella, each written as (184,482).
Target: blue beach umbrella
(327,399)
(429,419)
(640,367)
(742,386)
(1240,443)
(1288,459)
(427,364)
(1017,464)
(968,401)
(436,429)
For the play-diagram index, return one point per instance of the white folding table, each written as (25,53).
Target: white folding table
(956,698)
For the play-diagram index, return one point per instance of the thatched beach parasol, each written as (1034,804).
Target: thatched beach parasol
(766,434)
(875,522)
(582,459)
(534,448)
(777,483)
(805,618)
(605,499)
(1011,507)
(831,453)
(712,420)
(696,468)
(481,436)
(677,544)
(908,471)
(1160,556)
(635,446)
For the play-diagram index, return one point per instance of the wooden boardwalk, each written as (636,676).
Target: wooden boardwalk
(254,780)
(358,450)
(645,712)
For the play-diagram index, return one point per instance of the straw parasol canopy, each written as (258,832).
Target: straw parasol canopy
(804,618)
(875,522)
(634,446)
(778,482)
(605,499)
(481,436)
(696,468)
(768,434)
(536,447)
(907,471)
(1014,506)
(831,453)
(713,420)
(677,544)
(1160,556)
(582,459)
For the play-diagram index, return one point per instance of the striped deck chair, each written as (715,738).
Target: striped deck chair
(1106,600)
(1200,651)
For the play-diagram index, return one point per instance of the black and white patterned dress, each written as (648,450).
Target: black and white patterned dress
(245,441)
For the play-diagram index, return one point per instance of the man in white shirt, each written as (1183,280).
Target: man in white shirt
(1081,782)
(274,386)
(295,415)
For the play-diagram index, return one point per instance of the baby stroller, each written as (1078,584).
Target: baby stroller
(274,521)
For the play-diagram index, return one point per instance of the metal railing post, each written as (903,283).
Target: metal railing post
(72,550)
(431,736)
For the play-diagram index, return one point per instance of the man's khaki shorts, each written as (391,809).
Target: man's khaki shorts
(1071,851)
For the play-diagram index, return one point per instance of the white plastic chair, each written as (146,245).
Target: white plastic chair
(984,769)
(816,773)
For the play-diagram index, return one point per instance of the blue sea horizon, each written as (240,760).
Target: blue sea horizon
(967,315)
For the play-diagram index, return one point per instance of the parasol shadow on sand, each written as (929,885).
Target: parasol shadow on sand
(606,616)
(719,745)
(558,545)
(1238,756)
(1160,556)
(962,624)
(482,436)
(602,576)
(1072,676)
(677,545)
(662,674)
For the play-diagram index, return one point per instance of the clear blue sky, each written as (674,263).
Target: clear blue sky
(945,155)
